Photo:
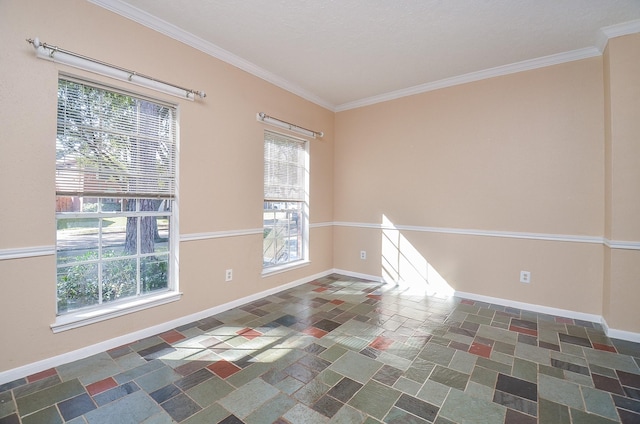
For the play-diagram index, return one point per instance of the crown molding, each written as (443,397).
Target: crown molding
(613,31)
(513,68)
(127,11)
(143,18)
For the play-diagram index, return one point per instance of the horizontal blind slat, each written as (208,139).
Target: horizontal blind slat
(284,167)
(113,143)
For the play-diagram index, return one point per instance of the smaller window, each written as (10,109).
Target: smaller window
(285,200)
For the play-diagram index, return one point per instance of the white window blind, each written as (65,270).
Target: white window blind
(284,168)
(114,144)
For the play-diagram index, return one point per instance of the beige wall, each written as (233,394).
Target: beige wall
(552,151)
(521,153)
(622,141)
(221,170)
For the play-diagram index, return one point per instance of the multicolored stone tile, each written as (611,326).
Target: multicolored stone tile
(347,350)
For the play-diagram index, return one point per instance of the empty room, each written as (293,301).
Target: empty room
(290,212)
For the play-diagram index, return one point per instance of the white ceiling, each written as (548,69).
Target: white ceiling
(346,53)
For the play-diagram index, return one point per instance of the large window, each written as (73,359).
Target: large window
(115,196)
(285,200)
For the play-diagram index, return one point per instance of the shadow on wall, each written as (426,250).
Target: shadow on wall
(404,265)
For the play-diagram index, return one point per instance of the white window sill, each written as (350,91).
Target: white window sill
(107,311)
(283,268)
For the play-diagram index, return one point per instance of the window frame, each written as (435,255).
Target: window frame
(78,317)
(303,242)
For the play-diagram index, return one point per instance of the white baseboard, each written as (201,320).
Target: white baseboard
(375,278)
(45,364)
(610,332)
(620,334)
(531,307)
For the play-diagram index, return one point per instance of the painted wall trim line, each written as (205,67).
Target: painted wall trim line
(321,224)
(626,245)
(45,364)
(472,232)
(26,252)
(220,234)
(29,252)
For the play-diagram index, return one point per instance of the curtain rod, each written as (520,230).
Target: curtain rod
(56,54)
(261,116)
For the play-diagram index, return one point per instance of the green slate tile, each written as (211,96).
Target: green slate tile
(525,370)
(212,414)
(449,377)
(7,405)
(552,413)
(561,391)
(375,398)
(48,415)
(612,360)
(210,391)
(89,370)
(246,399)
(462,408)
(586,418)
(49,396)
(356,366)
(301,414)
(599,402)
(484,376)
(479,391)
(347,414)
(437,354)
(333,353)
(133,408)
(271,410)
(407,386)
(433,392)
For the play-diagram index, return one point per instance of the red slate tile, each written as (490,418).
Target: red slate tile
(223,369)
(101,386)
(604,347)
(523,330)
(249,333)
(41,375)
(171,336)
(374,296)
(315,332)
(480,349)
(381,343)
(337,301)
(563,320)
(320,289)
(468,302)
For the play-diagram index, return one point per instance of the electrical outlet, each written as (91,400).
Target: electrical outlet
(363,254)
(525,277)
(228,276)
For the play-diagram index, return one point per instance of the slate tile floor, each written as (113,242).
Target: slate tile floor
(344,350)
